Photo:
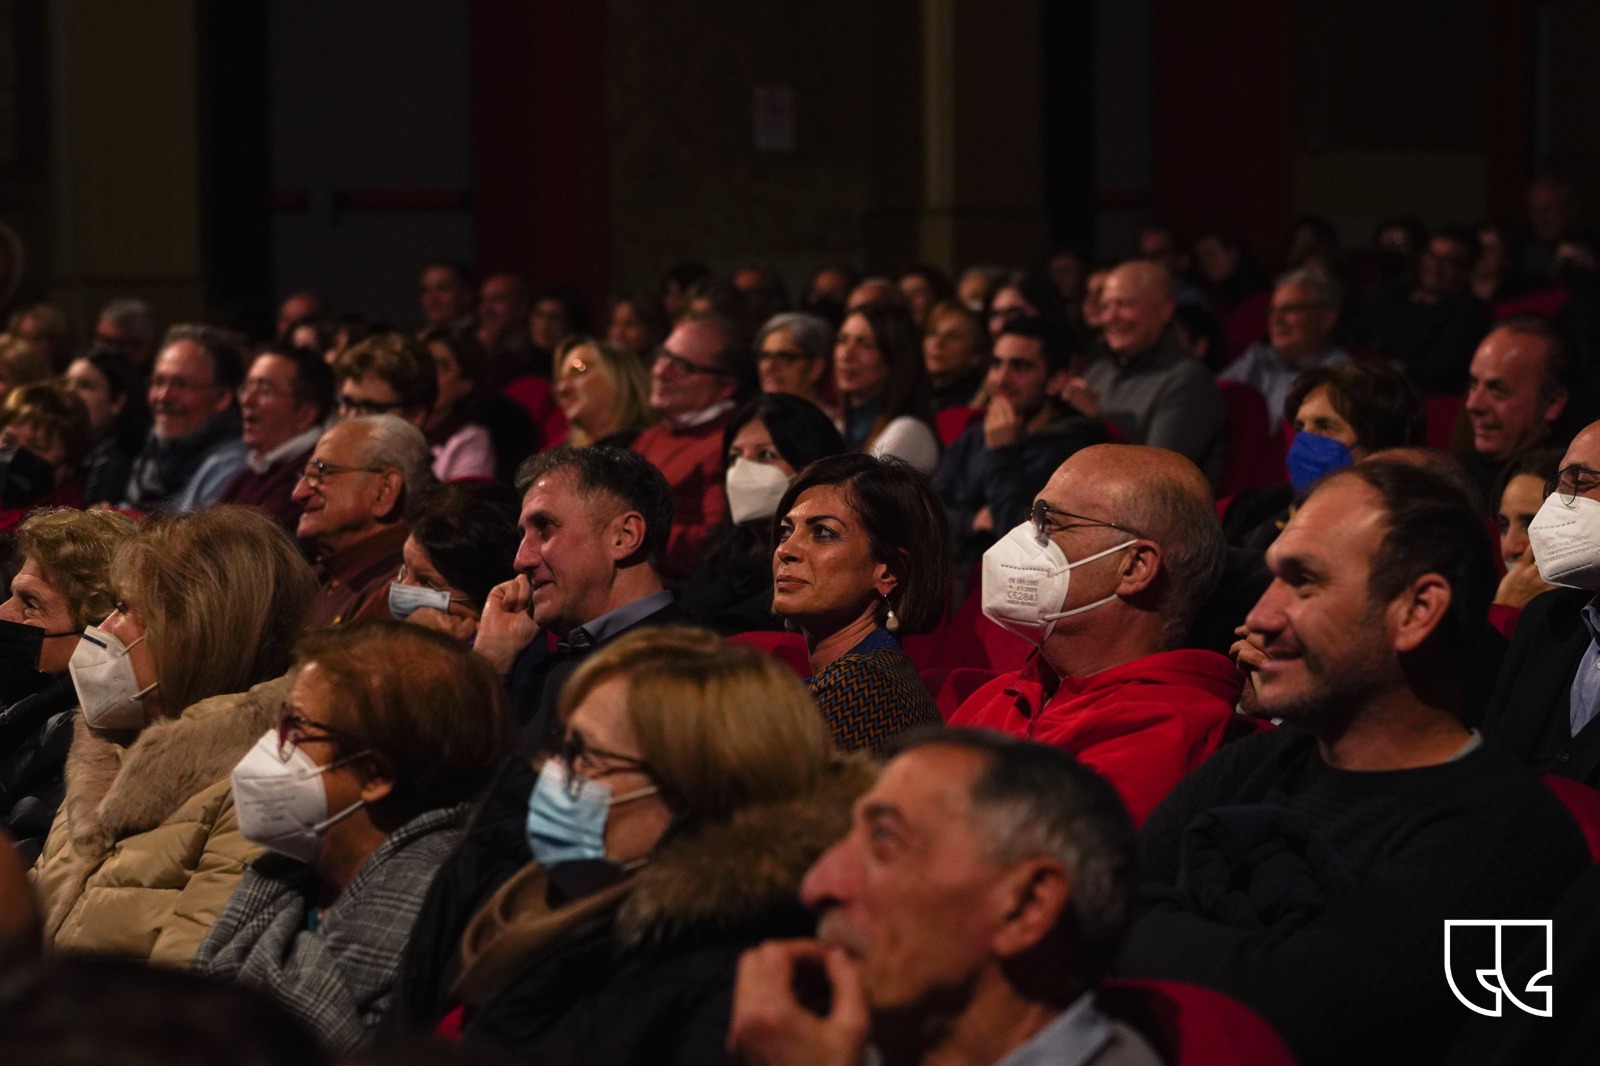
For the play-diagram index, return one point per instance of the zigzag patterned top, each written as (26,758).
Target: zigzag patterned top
(871,694)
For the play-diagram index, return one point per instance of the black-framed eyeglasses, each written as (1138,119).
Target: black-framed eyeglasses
(358,408)
(783,355)
(1572,482)
(317,471)
(580,759)
(1048,520)
(292,732)
(680,365)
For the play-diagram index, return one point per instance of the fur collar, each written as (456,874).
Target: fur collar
(114,792)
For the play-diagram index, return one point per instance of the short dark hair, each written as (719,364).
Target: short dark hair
(1433,528)
(464,275)
(1557,376)
(800,431)
(1035,800)
(313,377)
(469,353)
(625,475)
(1542,463)
(223,348)
(1377,399)
(906,528)
(1056,343)
(469,530)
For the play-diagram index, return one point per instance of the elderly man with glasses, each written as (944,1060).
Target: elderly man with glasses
(282,404)
(352,494)
(1105,577)
(695,382)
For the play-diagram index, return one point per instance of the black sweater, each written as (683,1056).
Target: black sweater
(1318,896)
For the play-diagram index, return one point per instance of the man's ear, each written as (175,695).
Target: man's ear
(305,416)
(625,535)
(1056,383)
(1032,898)
(1557,404)
(1417,611)
(1141,563)
(225,399)
(386,500)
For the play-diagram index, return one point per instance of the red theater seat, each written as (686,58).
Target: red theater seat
(1193,1026)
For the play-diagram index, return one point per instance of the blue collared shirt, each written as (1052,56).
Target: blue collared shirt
(1073,1037)
(613,622)
(1584,699)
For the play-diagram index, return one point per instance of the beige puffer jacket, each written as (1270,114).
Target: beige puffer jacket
(146,850)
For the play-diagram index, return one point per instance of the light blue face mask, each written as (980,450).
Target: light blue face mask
(403,599)
(566,824)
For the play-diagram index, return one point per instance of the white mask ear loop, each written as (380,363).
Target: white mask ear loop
(1055,616)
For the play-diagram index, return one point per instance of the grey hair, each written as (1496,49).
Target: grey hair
(135,316)
(1034,801)
(809,333)
(392,441)
(1325,290)
(1192,548)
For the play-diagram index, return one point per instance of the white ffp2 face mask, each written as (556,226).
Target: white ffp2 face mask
(108,692)
(754,490)
(1565,539)
(280,799)
(1025,580)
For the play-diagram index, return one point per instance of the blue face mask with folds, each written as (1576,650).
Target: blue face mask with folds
(403,599)
(1311,456)
(568,823)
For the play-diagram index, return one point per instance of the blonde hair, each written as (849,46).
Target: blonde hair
(630,384)
(223,594)
(21,361)
(722,726)
(53,408)
(74,550)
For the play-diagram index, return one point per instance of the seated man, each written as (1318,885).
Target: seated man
(1431,328)
(284,401)
(1309,871)
(1305,308)
(194,449)
(352,495)
(1516,392)
(967,917)
(694,385)
(991,473)
(1147,384)
(1122,549)
(1544,709)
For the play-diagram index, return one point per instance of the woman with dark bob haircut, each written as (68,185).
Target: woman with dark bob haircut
(768,441)
(863,555)
(463,541)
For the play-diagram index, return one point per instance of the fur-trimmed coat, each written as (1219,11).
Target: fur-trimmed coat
(643,972)
(146,849)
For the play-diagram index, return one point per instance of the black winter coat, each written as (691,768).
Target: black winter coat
(35,736)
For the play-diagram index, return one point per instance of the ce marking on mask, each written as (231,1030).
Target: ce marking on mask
(1493,978)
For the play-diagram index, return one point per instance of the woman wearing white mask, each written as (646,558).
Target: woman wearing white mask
(463,542)
(767,442)
(359,793)
(598,908)
(146,848)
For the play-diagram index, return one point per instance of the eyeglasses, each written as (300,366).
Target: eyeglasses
(678,364)
(1572,482)
(783,355)
(578,759)
(317,471)
(356,408)
(1046,525)
(178,384)
(403,577)
(264,389)
(292,732)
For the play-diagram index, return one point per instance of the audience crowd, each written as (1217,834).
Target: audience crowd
(1113,662)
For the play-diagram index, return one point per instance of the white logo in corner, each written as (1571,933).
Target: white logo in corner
(1493,979)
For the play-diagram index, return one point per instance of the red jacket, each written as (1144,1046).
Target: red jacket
(1141,725)
(691,459)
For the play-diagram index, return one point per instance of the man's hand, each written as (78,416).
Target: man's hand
(1074,392)
(1001,426)
(462,626)
(507,625)
(1249,655)
(771,1027)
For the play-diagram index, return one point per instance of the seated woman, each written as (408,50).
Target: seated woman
(359,793)
(473,431)
(863,554)
(598,908)
(791,352)
(1517,497)
(883,384)
(53,424)
(118,420)
(146,848)
(635,325)
(603,391)
(463,541)
(955,350)
(63,584)
(768,441)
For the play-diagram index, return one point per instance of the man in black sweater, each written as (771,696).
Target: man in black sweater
(1309,871)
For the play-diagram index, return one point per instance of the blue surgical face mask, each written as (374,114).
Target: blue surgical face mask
(403,599)
(568,823)
(1311,456)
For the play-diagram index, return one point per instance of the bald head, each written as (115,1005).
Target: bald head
(1137,304)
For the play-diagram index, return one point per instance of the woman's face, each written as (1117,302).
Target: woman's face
(42,441)
(95,392)
(453,385)
(319,722)
(627,330)
(548,324)
(35,602)
(583,388)
(1316,415)
(950,346)
(753,444)
(1007,302)
(126,623)
(1521,500)
(823,574)
(460,620)
(607,750)
(859,369)
(785,368)
(918,295)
